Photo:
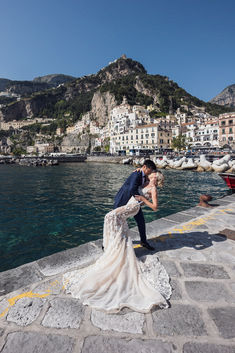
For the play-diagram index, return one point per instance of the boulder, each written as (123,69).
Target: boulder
(220,168)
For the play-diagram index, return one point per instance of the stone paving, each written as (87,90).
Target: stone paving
(36,315)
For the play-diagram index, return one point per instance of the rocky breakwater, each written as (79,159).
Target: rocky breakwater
(35,162)
(201,164)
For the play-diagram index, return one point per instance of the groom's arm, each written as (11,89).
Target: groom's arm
(135,182)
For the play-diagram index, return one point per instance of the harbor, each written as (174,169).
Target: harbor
(196,246)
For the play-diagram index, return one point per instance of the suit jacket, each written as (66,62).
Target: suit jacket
(128,189)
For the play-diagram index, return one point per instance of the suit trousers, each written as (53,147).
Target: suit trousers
(139,218)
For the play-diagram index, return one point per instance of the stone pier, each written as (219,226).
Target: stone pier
(197,248)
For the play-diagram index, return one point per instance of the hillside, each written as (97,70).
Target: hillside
(4,82)
(54,80)
(226,97)
(26,88)
(100,92)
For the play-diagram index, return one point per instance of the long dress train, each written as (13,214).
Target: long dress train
(118,279)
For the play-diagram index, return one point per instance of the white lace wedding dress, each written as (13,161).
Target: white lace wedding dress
(118,279)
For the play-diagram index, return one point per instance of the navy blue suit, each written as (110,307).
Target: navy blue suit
(129,189)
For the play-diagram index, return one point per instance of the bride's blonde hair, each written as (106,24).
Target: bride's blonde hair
(159,178)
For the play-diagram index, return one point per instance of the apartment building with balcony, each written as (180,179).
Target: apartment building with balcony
(227,130)
(143,137)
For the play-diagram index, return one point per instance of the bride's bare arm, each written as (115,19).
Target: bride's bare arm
(153,204)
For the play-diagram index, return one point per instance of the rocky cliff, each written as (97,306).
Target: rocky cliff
(101,106)
(226,97)
(14,111)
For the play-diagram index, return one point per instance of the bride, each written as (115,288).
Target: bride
(118,279)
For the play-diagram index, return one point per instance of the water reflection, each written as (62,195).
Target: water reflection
(45,210)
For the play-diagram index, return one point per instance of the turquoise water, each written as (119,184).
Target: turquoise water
(46,210)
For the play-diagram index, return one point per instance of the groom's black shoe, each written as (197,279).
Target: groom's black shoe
(147,245)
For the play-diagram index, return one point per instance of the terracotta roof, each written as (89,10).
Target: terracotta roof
(192,123)
(144,126)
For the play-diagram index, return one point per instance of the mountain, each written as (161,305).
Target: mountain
(26,88)
(226,97)
(54,80)
(4,82)
(99,93)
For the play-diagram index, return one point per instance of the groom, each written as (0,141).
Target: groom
(129,189)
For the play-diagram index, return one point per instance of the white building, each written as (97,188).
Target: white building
(207,134)
(80,125)
(143,137)
(125,117)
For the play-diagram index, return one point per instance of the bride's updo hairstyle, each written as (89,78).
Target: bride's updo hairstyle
(158,177)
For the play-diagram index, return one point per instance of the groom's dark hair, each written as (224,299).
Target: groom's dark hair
(150,164)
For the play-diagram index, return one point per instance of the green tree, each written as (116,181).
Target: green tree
(18,151)
(179,143)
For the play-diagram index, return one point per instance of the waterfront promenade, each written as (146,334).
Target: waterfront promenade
(197,248)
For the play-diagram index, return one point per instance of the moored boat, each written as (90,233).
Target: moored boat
(229,179)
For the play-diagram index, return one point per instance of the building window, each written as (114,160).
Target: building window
(230,130)
(142,136)
(153,135)
(230,138)
(223,131)
(230,122)
(152,141)
(222,123)
(161,141)
(147,141)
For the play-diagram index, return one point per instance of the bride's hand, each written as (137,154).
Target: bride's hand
(140,198)
(137,170)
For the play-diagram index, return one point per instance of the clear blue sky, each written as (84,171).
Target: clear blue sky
(191,41)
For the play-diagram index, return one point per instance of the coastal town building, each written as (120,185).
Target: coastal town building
(227,130)
(207,134)
(80,125)
(5,145)
(19,124)
(189,131)
(125,117)
(41,147)
(15,124)
(143,137)
(199,134)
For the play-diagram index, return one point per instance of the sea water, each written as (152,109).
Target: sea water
(44,210)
